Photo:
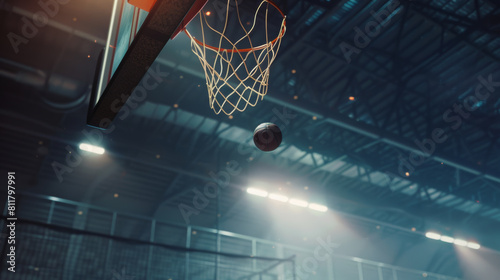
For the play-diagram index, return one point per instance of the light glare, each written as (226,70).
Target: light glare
(318,207)
(257,192)
(92,148)
(278,197)
(433,235)
(473,245)
(460,242)
(298,202)
(447,239)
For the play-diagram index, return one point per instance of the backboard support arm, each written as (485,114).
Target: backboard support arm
(163,20)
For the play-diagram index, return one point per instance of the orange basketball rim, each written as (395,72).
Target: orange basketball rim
(198,4)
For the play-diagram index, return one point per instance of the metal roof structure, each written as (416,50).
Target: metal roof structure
(390,113)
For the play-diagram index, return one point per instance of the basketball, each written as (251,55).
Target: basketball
(267,137)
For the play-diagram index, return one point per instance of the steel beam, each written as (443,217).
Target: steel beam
(372,132)
(360,128)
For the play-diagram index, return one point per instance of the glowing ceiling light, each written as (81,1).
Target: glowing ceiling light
(318,207)
(278,197)
(433,235)
(447,239)
(460,242)
(473,245)
(298,202)
(257,192)
(92,148)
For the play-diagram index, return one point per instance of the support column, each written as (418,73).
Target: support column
(150,255)
(75,241)
(188,245)
(110,244)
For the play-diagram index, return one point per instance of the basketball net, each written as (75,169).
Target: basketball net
(237,78)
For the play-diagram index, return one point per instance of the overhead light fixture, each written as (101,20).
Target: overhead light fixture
(460,242)
(257,192)
(473,245)
(91,148)
(318,207)
(447,239)
(278,197)
(282,198)
(433,235)
(298,202)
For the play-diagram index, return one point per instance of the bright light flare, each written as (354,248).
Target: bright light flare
(433,235)
(460,242)
(278,197)
(318,207)
(473,245)
(257,192)
(447,239)
(298,202)
(92,148)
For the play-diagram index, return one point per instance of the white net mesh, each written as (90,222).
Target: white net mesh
(237,77)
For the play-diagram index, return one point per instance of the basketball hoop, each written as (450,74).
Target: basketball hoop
(236,76)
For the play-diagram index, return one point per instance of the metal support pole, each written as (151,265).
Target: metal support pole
(329,268)
(51,212)
(75,243)
(110,242)
(394,274)
(150,255)
(188,245)
(41,252)
(254,253)
(217,218)
(217,264)
(380,275)
(360,271)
